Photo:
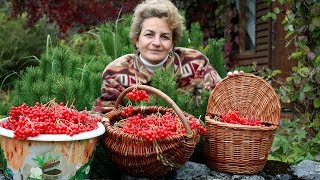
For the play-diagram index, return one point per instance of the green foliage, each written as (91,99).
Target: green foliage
(214,52)
(301,89)
(297,140)
(114,37)
(165,80)
(18,48)
(63,75)
(71,73)
(245,68)
(196,35)
(4,105)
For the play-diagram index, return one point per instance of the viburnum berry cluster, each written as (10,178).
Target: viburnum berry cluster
(155,126)
(234,118)
(138,95)
(52,118)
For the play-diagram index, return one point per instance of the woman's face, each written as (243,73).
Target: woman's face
(155,40)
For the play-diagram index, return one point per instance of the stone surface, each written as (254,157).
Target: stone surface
(307,170)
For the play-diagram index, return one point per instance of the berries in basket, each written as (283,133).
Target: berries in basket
(150,141)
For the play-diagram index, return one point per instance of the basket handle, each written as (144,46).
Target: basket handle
(160,94)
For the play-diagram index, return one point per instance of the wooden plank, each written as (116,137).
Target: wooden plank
(260,2)
(242,26)
(262,40)
(262,13)
(253,55)
(262,47)
(260,21)
(263,33)
(261,27)
(261,6)
(262,60)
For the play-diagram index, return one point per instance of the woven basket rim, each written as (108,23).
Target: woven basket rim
(117,112)
(210,121)
(161,94)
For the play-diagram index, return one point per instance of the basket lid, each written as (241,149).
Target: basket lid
(251,95)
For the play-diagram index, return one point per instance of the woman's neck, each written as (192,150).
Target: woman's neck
(151,67)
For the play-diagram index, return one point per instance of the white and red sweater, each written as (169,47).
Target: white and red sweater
(192,68)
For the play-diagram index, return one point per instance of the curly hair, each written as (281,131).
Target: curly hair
(157,8)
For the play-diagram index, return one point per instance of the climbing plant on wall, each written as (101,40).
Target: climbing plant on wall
(299,138)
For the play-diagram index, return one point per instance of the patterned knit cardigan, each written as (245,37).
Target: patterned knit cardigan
(192,68)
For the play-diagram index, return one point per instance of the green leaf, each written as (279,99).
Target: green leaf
(311,96)
(311,27)
(276,10)
(297,79)
(264,18)
(290,27)
(318,137)
(282,91)
(317,78)
(284,21)
(289,79)
(317,61)
(285,99)
(273,16)
(305,48)
(285,144)
(275,72)
(316,21)
(302,96)
(316,103)
(304,71)
(307,88)
(296,55)
(276,144)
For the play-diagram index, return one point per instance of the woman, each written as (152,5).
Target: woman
(156,28)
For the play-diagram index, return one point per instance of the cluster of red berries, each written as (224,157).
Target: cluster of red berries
(138,95)
(52,118)
(155,126)
(234,118)
(127,111)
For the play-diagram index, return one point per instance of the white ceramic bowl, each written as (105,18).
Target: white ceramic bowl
(48,156)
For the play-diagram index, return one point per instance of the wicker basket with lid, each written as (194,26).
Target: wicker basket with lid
(241,149)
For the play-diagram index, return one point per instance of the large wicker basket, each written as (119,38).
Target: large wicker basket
(140,157)
(235,148)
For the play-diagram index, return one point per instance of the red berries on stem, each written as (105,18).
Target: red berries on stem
(52,118)
(152,126)
(234,118)
(138,95)
(156,126)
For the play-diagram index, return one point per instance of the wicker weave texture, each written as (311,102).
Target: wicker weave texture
(237,150)
(142,158)
(249,94)
(234,148)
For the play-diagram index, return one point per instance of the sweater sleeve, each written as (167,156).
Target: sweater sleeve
(115,78)
(197,72)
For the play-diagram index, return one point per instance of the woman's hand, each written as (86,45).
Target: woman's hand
(235,73)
